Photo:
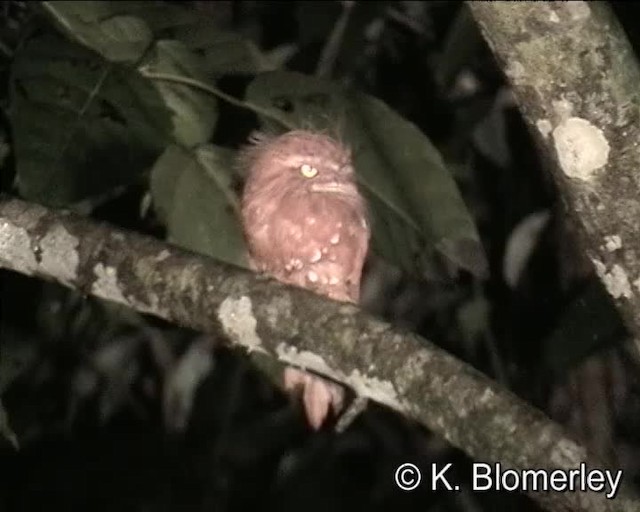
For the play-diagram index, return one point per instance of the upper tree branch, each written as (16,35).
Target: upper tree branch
(577,83)
(386,364)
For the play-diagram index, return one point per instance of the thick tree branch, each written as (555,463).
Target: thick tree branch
(576,81)
(383,363)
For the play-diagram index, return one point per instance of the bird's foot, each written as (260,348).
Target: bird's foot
(319,395)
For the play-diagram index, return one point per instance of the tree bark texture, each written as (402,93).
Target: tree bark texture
(380,362)
(577,83)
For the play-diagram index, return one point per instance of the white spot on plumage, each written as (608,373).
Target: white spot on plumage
(293,264)
(334,280)
(311,221)
(312,276)
(316,256)
(335,239)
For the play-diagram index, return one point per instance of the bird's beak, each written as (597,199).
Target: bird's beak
(335,187)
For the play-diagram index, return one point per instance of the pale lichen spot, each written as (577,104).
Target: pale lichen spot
(577,10)
(304,359)
(239,323)
(312,276)
(487,396)
(581,148)
(636,283)
(106,285)
(553,17)
(316,256)
(162,255)
(15,249)
(612,242)
(335,239)
(59,254)
(544,127)
(381,391)
(615,281)
(566,453)
(515,71)
(412,371)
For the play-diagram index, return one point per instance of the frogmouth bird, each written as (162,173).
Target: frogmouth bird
(305,225)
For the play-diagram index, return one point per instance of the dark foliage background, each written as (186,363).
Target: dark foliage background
(113,411)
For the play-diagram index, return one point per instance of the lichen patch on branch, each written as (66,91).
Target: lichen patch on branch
(544,127)
(15,249)
(59,254)
(305,360)
(106,285)
(239,322)
(616,280)
(581,147)
(381,391)
(612,243)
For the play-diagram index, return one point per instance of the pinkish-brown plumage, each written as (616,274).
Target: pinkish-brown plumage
(305,225)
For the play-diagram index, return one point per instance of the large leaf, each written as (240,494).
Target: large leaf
(194,194)
(109,29)
(81,125)
(169,61)
(414,202)
(104,27)
(194,112)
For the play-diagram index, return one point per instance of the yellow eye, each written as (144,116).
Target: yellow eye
(307,171)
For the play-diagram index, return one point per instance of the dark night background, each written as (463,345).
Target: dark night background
(82,382)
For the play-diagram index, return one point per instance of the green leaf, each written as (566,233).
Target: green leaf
(415,204)
(103,27)
(110,28)
(193,192)
(81,125)
(123,31)
(224,52)
(194,112)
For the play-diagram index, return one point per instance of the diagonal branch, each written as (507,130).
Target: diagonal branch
(380,362)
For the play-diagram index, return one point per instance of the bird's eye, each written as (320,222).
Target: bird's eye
(307,171)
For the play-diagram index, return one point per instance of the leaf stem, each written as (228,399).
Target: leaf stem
(266,112)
